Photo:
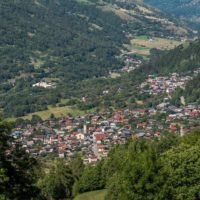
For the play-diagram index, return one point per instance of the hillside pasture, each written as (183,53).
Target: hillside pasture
(142,45)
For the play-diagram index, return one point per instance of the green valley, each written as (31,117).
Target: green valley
(47,48)
(99,100)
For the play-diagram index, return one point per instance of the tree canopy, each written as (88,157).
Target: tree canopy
(17,168)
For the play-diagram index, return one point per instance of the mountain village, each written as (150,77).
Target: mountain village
(94,135)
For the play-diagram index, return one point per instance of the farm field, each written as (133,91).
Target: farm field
(159,43)
(143,44)
(95,195)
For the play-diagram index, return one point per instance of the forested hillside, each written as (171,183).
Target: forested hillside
(183,59)
(57,39)
(63,42)
(188,10)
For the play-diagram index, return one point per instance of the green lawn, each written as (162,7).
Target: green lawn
(96,195)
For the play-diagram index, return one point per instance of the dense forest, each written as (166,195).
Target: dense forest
(167,168)
(65,42)
(183,59)
(191,93)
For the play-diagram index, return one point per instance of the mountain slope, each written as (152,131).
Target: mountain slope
(54,37)
(144,19)
(188,10)
(63,42)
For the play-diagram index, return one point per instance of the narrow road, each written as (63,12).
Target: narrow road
(95,150)
(183,100)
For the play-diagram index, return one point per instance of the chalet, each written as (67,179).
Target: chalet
(173,127)
(141,125)
(100,136)
(104,154)
(92,159)
(100,148)
(39,138)
(80,136)
(113,125)
(30,143)
(17,134)
(53,138)
(95,119)
(138,135)
(61,154)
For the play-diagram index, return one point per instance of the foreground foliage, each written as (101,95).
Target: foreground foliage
(153,170)
(17,169)
(57,182)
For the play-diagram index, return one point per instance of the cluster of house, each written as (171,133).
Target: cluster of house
(44,84)
(95,134)
(155,85)
(92,135)
(131,64)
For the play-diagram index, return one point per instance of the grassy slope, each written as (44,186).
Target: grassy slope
(96,195)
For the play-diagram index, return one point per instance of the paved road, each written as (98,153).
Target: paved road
(95,150)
